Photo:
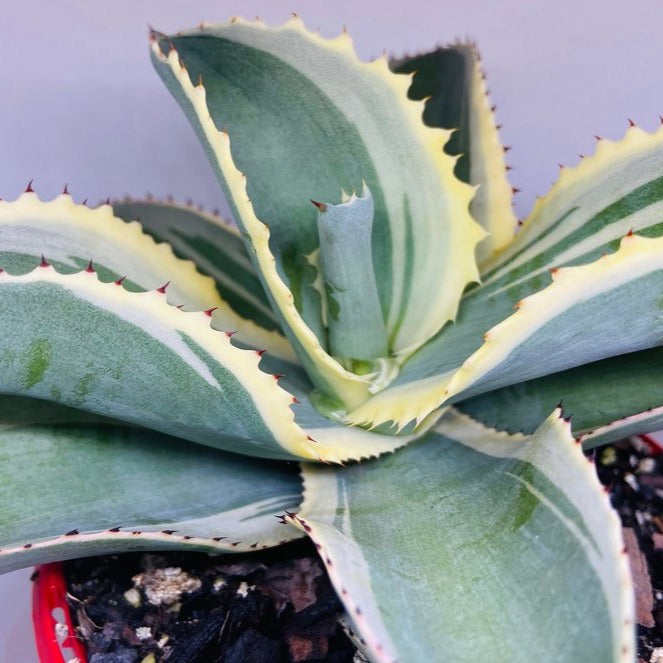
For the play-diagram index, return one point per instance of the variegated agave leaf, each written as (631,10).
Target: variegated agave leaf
(453,85)
(482,519)
(373,137)
(610,202)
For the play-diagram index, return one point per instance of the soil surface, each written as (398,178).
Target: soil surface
(633,472)
(269,607)
(278,606)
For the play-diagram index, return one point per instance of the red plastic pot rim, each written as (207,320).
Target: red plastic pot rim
(55,637)
(655,446)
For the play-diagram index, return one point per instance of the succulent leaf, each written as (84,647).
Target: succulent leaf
(571,322)
(135,358)
(97,347)
(606,400)
(325,137)
(477,512)
(586,214)
(213,244)
(353,314)
(616,190)
(72,237)
(451,82)
(17,411)
(78,490)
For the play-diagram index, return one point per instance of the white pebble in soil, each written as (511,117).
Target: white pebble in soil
(219,583)
(647,466)
(165,586)
(143,633)
(244,589)
(132,597)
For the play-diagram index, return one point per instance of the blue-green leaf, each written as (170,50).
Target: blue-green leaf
(585,215)
(315,105)
(442,550)
(607,400)
(214,245)
(453,85)
(75,490)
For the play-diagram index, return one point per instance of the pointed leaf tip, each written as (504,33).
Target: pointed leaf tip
(163,288)
(321,206)
(28,188)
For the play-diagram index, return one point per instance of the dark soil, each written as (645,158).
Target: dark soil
(268,607)
(633,471)
(279,607)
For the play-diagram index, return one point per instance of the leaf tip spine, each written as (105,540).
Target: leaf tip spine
(321,206)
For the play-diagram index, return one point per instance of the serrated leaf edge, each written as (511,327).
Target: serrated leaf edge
(625,622)
(341,382)
(62,210)
(270,399)
(607,153)
(417,400)
(636,256)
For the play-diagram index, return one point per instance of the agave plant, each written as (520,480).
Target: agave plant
(376,324)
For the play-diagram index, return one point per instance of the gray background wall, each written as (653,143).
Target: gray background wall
(80,104)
